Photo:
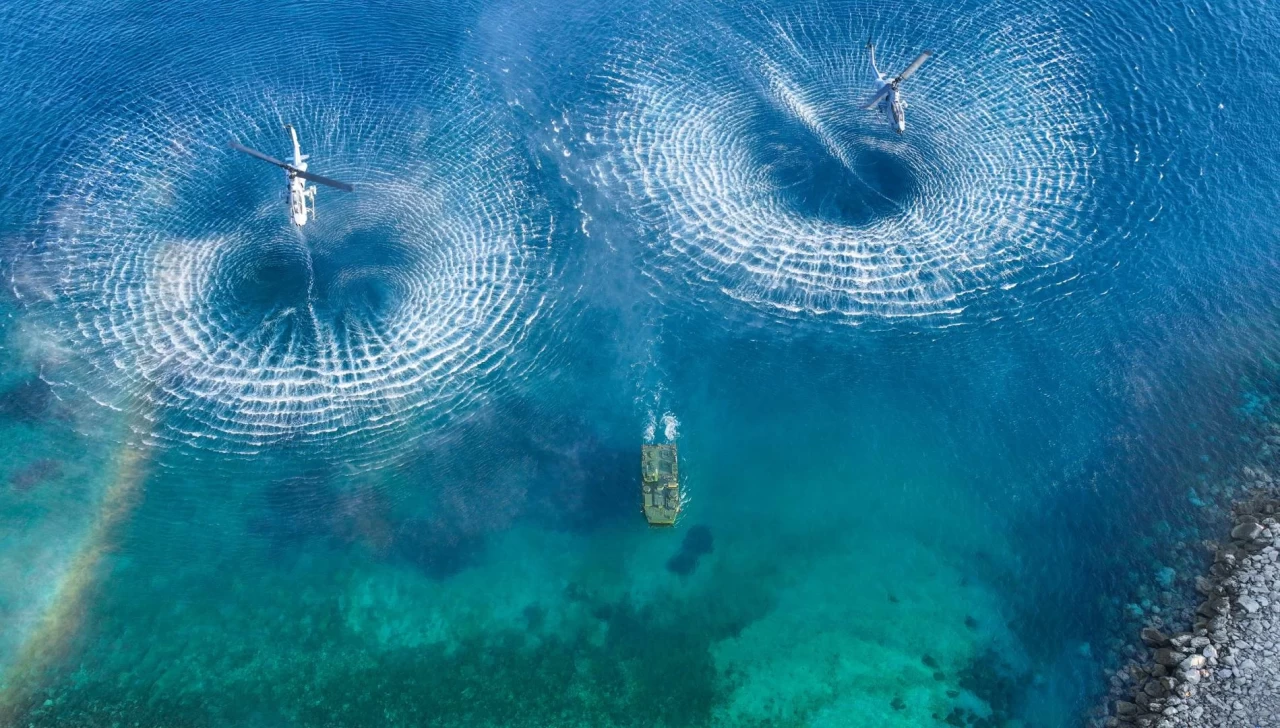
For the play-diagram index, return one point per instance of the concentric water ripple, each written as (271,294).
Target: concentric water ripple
(740,135)
(171,261)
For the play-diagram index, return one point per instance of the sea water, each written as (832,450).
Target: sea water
(944,401)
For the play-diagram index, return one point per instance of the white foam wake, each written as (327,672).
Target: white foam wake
(744,145)
(171,262)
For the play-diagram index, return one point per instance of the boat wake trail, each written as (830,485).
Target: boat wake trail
(171,262)
(761,178)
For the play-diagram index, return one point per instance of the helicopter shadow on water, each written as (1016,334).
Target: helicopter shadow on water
(846,179)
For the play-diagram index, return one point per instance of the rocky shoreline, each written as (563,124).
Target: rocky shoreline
(1225,671)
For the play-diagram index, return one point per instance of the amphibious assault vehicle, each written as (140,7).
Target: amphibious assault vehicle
(660,484)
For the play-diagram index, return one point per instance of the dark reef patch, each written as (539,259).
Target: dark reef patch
(297,508)
(535,615)
(436,547)
(593,485)
(654,666)
(35,473)
(31,400)
(990,678)
(697,542)
(511,461)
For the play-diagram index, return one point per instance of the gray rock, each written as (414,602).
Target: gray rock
(1245,532)
(1194,662)
(1204,679)
(1205,586)
(1125,708)
(1214,607)
(1154,638)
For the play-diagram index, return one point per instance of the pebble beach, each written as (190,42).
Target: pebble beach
(1225,669)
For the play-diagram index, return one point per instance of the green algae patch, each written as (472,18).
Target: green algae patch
(622,666)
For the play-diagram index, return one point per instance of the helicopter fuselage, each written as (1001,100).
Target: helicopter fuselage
(299,193)
(302,199)
(893,107)
(888,100)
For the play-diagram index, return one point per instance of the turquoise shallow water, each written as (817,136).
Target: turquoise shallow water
(944,401)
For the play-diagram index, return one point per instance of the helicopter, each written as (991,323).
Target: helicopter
(888,98)
(302,199)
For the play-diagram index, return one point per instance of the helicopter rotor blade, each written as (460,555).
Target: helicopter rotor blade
(323,180)
(880,96)
(260,155)
(915,66)
(294,170)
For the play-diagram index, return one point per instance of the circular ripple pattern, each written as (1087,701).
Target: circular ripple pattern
(172,260)
(764,179)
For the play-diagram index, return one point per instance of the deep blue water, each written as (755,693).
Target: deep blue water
(946,402)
